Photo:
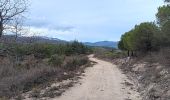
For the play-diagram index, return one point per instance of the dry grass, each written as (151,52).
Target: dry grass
(152,72)
(27,66)
(22,76)
(108,54)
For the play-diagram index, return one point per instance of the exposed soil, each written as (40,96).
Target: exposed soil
(103,81)
(151,78)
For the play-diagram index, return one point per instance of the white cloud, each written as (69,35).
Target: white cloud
(89,20)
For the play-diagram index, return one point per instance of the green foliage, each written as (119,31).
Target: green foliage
(163,14)
(76,48)
(121,45)
(21,49)
(127,42)
(144,37)
(45,50)
(1,46)
(56,60)
(163,18)
(147,37)
(165,34)
(42,50)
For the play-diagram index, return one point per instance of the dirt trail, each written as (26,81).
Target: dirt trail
(103,81)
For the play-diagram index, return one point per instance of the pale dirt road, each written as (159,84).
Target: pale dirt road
(103,81)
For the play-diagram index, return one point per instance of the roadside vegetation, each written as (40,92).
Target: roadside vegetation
(148,36)
(31,66)
(108,53)
(28,66)
(144,55)
(148,44)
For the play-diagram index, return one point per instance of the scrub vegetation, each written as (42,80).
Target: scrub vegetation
(27,66)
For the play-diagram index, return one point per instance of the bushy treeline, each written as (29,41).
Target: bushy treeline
(148,36)
(46,50)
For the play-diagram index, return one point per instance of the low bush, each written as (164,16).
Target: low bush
(14,81)
(108,53)
(74,62)
(56,60)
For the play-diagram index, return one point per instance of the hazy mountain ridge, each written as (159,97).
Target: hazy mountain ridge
(39,39)
(111,44)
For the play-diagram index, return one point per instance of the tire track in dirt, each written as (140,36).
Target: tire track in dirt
(103,81)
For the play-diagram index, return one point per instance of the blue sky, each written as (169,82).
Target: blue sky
(89,20)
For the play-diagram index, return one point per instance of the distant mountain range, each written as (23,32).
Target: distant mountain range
(110,44)
(36,39)
(10,38)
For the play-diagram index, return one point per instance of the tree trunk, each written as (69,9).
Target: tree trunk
(132,54)
(16,34)
(1,25)
(128,53)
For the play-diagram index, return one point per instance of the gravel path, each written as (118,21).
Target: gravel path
(103,81)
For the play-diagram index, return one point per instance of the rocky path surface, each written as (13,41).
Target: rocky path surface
(103,81)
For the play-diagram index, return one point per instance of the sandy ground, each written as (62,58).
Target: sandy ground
(103,81)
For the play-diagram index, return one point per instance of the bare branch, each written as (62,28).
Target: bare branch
(9,11)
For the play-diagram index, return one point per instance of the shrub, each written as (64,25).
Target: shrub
(76,48)
(35,93)
(74,62)
(56,60)
(108,53)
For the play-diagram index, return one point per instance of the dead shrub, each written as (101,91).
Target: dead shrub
(74,62)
